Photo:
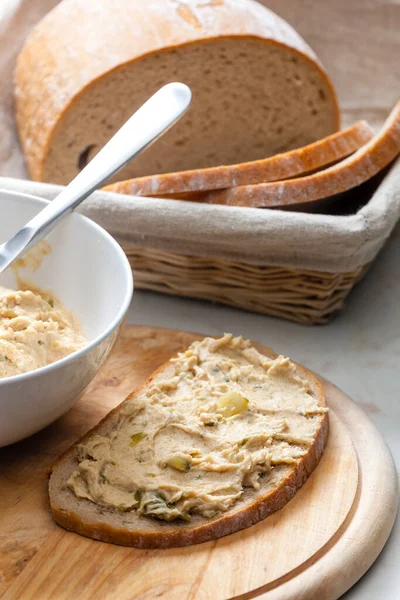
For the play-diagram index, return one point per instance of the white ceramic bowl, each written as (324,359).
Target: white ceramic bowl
(90,273)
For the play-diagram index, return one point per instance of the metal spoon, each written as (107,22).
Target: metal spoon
(157,115)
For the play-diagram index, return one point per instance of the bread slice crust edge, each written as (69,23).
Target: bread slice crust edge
(194,184)
(345,175)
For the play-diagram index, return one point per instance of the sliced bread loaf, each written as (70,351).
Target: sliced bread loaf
(217,439)
(187,184)
(341,177)
(258,89)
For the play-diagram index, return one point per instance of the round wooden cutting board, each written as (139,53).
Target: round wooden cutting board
(316,547)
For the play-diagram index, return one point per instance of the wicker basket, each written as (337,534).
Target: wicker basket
(296,267)
(299,294)
(307,297)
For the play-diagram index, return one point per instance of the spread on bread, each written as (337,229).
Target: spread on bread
(194,439)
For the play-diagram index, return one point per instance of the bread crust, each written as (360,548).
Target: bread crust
(189,185)
(345,175)
(127,33)
(149,533)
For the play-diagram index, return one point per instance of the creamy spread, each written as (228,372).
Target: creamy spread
(212,424)
(35,330)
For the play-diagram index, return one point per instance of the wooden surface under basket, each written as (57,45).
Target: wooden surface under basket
(308,297)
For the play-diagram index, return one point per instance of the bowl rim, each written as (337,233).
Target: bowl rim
(21,377)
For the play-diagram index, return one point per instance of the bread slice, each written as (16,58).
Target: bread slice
(186,184)
(258,89)
(127,528)
(341,177)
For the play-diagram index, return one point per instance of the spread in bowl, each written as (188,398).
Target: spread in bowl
(35,330)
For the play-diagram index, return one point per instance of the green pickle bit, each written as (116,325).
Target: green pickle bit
(232,403)
(178,463)
(136,438)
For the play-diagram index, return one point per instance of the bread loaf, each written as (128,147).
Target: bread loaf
(182,461)
(191,184)
(258,89)
(341,177)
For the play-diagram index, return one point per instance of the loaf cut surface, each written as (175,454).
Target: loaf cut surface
(217,439)
(258,89)
(191,184)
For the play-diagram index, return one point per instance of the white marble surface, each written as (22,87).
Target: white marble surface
(359,352)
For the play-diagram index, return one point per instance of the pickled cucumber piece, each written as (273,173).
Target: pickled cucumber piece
(179,463)
(232,403)
(137,437)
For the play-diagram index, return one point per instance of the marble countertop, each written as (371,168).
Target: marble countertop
(359,352)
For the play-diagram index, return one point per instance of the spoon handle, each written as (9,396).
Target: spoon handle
(157,115)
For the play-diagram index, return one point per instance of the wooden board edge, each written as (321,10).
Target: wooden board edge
(338,569)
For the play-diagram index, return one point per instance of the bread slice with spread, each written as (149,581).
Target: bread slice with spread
(218,438)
